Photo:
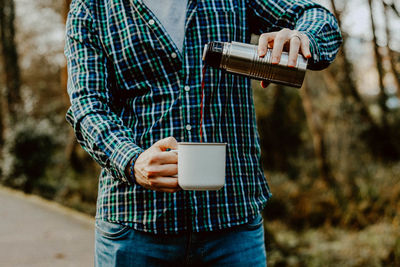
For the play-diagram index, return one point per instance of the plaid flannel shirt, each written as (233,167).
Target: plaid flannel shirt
(130,86)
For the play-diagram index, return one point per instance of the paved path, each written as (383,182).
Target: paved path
(36,232)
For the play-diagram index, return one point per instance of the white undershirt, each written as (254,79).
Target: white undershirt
(172,15)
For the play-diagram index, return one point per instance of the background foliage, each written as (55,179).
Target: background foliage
(330,150)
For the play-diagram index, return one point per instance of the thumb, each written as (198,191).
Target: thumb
(164,144)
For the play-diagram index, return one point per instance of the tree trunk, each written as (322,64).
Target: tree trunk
(393,7)
(72,145)
(349,88)
(10,61)
(2,111)
(378,60)
(320,146)
(317,134)
(391,55)
(64,72)
(66,8)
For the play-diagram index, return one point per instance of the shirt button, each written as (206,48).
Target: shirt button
(187,88)
(151,22)
(188,127)
(174,55)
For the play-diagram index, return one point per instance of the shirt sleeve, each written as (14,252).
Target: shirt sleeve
(305,16)
(98,129)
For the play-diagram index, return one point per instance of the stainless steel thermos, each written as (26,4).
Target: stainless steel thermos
(240,58)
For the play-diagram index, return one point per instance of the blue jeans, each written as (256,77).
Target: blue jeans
(119,245)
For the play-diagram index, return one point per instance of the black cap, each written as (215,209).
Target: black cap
(212,54)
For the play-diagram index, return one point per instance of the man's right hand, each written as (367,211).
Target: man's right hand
(154,168)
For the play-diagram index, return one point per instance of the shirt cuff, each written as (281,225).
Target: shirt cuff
(120,160)
(313,46)
(312,23)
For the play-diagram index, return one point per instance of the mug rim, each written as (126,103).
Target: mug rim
(198,143)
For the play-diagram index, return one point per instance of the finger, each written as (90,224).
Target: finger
(293,51)
(164,144)
(142,180)
(264,83)
(263,43)
(164,182)
(168,190)
(279,42)
(305,46)
(164,158)
(271,44)
(164,170)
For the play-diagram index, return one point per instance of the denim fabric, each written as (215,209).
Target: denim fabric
(120,245)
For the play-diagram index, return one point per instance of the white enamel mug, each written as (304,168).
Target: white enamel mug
(201,166)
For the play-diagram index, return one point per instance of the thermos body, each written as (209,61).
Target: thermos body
(243,59)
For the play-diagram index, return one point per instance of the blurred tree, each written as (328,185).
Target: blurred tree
(380,136)
(64,72)
(317,133)
(348,86)
(379,66)
(384,139)
(393,7)
(72,150)
(10,61)
(280,130)
(2,111)
(391,55)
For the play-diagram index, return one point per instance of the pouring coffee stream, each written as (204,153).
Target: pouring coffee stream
(202,102)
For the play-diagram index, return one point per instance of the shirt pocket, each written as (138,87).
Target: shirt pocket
(220,23)
(254,223)
(113,231)
(139,60)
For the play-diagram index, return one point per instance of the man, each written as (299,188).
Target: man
(134,84)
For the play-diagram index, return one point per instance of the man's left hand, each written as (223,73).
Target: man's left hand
(285,39)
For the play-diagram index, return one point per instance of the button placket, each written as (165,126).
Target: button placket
(153,25)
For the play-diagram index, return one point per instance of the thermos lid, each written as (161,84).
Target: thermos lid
(212,54)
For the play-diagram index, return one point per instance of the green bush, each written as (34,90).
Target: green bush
(27,154)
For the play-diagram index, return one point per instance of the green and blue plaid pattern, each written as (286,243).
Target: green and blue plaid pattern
(130,86)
